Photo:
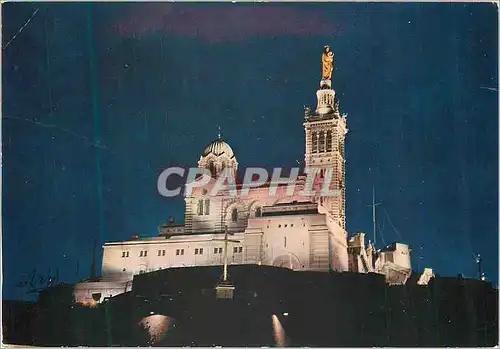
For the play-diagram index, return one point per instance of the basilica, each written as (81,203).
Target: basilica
(288,231)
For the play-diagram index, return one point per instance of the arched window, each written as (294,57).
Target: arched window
(200,207)
(314,136)
(212,169)
(321,141)
(258,212)
(329,141)
(234,215)
(207,207)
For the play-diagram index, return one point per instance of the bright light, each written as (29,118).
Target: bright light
(285,314)
(279,332)
(151,313)
(157,327)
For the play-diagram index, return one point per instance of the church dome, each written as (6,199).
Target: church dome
(217,148)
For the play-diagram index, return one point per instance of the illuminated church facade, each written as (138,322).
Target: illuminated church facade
(303,233)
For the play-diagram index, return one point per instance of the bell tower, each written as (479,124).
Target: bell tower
(325,130)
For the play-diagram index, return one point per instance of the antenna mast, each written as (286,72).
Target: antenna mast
(479,262)
(374,217)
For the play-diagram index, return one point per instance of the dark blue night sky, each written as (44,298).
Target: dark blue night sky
(99,98)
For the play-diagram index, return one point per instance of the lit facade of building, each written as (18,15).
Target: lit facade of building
(303,233)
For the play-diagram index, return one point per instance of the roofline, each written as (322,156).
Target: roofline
(161,239)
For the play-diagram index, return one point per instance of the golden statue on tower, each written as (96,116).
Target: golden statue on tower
(327,63)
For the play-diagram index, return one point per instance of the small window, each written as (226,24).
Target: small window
(141,254)
(216,250)
(234,215)
(123,254)
(258,212)
(207,207)
(220,249)
(291,225)
(285,241)
(145,253)
(286,225)
(159,252)
(200,207)
(201,250)
(182,252)
(177,252)
(279,225)
(195,251)
(163,253)
(235,249)
(314,137)
(321,142)
(127,254)
(329,140)
(240,249)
